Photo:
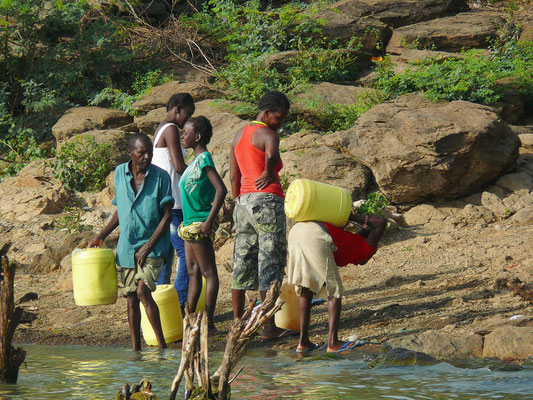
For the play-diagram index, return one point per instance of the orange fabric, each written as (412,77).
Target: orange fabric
(251,163)
(351,247)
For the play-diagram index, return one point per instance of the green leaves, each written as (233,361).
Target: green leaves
(374,205)
(82,164)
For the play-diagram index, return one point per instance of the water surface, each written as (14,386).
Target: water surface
(72,372)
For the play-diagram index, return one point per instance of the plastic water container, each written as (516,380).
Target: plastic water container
(308,200)
(200,306)
(288,316)
(94,277)
(166,299)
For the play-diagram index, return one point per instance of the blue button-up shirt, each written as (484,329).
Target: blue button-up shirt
(139,215)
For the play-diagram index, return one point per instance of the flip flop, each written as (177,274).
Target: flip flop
(347,347)
(311,347)
(284,333)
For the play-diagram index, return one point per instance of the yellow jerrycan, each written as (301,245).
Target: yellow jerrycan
(288,316)
(201,301)
(308,200)
(166,299)
(94,277)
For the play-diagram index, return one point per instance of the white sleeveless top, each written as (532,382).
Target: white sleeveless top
(162,159)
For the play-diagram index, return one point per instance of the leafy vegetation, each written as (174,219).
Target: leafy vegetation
(472,77)
(71,220)
(82,164)
(374,205)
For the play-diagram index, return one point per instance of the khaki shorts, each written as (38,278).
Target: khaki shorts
(148,273)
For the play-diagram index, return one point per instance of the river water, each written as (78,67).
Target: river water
(72,372)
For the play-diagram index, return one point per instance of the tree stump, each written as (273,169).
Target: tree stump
(10,357)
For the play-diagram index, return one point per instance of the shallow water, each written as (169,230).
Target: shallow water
(71,372)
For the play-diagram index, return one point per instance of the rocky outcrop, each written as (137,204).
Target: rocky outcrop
(463,31)
(117,138)
(82,119)
(417,149)
(32,192)
(158,96)
(509,343)
(323,158)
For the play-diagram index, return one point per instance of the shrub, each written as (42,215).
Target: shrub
(82,164)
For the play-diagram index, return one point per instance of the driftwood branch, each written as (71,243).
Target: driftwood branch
(10,358)
(516,286)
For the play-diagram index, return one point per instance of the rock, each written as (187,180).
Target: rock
(342,25)
(34,191)
(395,13)
(493,203)
(475,215)
(515,182)
(462,31)
(149,122)
(423,214)
(401,356)
(442,345)
(308,155)
(527,140)
(428,150)
(158,96)
(523,217)
(83,119)
(509,343)
(527,32)
(118,140)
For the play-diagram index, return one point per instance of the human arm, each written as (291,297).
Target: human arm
(98,240)
(172,141)
(234,173)
(272,158)
(220,194)
(146,248)
(377,227)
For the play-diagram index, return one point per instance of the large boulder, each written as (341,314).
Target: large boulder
(82,119)
(395,13)
(419,150)
(462,31)
(117,138)
(32,192)
(158,96)
(509,343)
(321,158)
(442,345)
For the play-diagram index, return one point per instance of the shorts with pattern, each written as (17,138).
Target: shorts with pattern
(149,273)
(260,250)
(192,231)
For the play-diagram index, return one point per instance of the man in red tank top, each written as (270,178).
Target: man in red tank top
(260,250)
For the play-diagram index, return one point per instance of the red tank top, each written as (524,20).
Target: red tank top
(251,163)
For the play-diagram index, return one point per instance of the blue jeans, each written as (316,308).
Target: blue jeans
(181,283)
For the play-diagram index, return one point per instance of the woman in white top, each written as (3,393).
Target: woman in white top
(169,155)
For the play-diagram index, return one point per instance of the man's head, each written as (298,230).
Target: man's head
(140,149)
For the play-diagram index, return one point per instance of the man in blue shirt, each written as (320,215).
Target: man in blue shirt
(144,203)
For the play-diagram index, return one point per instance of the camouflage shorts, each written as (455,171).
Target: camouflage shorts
(149,273)
(260,252)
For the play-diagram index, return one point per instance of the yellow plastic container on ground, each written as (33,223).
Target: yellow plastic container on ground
(288,316)
(308,200)
(94,277)
(201,301)
(166,299)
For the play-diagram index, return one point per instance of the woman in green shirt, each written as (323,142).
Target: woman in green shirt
(202,195)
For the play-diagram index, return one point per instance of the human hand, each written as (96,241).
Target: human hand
(205,227)
(141,254)
(264,180)
(96,242)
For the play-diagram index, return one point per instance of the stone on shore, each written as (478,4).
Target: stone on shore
(509,343)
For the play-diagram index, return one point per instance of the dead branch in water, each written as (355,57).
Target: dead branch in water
(10,358)
(194,354)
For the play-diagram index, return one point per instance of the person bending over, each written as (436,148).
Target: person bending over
(143,198)
(316,250)
(202,196)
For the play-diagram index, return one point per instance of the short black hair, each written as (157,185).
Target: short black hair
(132,140)
(274,101)
(180,99)
(202,126)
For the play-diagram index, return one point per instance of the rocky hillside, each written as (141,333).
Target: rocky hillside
(461,173)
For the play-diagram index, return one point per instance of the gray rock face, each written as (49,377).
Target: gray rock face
(509,343)
(83,119)
(462,31)
(419,150)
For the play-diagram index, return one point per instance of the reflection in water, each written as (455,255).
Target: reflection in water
(75,372)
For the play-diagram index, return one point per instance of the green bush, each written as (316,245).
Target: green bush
(472,77)
(82,164)
(374,205)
